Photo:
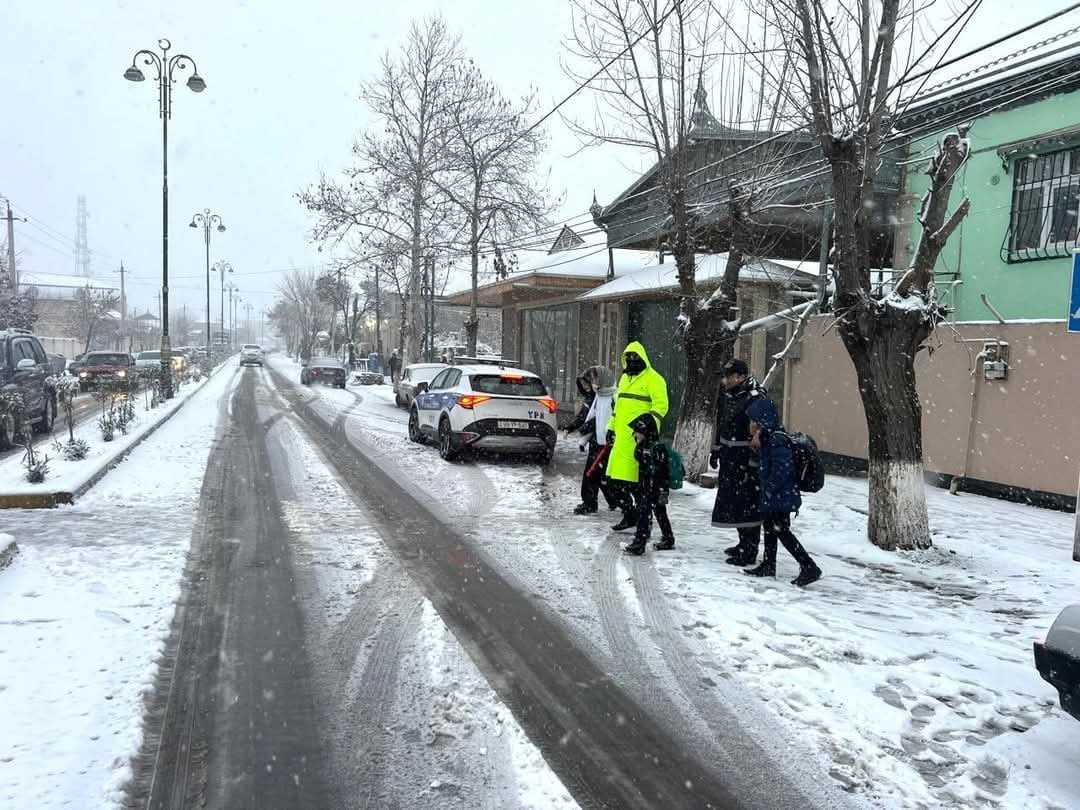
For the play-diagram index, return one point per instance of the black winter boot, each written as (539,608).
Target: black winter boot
(665,544)
(629,521)
(637,548)
(734,549)
(766,569)
(584,509)
(747,555)
(808,574)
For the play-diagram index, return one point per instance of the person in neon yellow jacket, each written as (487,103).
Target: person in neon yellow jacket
(641,390)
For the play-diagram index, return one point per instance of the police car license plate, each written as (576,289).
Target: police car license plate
(507,425)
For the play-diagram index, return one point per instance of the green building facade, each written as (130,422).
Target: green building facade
(1023,179)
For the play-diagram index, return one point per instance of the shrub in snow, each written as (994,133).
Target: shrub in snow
(108,427)
(37,467)
(75,450)
(66,388)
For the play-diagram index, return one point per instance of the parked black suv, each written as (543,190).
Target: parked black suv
(24,367)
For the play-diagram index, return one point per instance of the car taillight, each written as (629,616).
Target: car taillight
(470,400)
(315,371)
(549,403)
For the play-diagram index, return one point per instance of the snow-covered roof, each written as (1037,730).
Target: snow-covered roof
(59,280)
(661,277)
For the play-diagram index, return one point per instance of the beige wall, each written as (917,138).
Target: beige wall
(1026,427)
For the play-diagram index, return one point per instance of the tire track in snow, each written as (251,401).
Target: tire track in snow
(366,716)
(711,716)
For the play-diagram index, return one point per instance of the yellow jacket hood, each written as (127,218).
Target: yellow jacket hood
(635,347)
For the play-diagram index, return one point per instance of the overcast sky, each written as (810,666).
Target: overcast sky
(281,106)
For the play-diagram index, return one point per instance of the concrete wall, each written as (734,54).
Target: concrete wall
(1026,430)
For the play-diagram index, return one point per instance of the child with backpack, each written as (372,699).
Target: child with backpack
(654,485)
(780,496)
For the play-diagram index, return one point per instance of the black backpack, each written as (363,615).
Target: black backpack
(809,471)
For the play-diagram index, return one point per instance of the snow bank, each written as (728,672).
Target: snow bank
(70,476)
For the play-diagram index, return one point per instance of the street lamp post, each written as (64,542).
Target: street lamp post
(206,221)
(223,269)
(166,67)
(232,332)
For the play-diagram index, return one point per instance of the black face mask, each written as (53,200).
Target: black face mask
(635,365)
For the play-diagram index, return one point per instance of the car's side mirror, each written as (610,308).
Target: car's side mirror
(26,364)
(421,388)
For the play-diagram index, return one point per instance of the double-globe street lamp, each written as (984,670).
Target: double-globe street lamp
(222,269)
(166,67)
(207,222)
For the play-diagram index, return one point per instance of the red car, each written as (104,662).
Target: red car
(105,368)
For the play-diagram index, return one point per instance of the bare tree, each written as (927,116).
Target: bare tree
(491,172)
(391,188)
(305,310)
(91,307)
(848,52)
(651,60)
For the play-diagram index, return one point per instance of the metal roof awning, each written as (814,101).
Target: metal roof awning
(524,289)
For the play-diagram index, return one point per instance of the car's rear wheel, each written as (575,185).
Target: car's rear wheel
(446,441)
(415,434)
(48,417)
(546,456)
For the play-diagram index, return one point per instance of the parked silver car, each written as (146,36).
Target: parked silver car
(407,386)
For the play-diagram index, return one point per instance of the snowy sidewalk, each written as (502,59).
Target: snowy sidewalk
(85,610)
(911,672)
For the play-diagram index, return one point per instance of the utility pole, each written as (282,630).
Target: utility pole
(13,271)
(123,304)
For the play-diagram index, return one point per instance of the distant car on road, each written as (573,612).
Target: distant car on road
(57,363)
(74,364)
(106,368)
(325,370)
(24,367)
(413,378)
(485,407)
(1058,658)
(147,363)
(251,355)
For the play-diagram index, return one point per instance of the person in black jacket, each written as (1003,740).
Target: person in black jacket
(653,486)
(779,492)
(737,487)
(597,387)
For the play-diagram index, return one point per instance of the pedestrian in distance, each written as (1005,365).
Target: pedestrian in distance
(641,390)
(395,366)
(654,486)
(597,387)
(779,492)
(737,485)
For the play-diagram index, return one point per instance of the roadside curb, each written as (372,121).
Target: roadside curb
(8,554)
(50,500)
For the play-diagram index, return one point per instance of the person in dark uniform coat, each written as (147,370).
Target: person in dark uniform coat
(738,493)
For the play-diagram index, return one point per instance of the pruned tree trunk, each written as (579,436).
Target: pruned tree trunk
(708,347)
(884,360)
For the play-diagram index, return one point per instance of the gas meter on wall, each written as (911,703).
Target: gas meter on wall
(995,360)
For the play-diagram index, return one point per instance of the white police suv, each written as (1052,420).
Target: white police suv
(485,407)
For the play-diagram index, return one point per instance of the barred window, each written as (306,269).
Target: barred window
(1046,199)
